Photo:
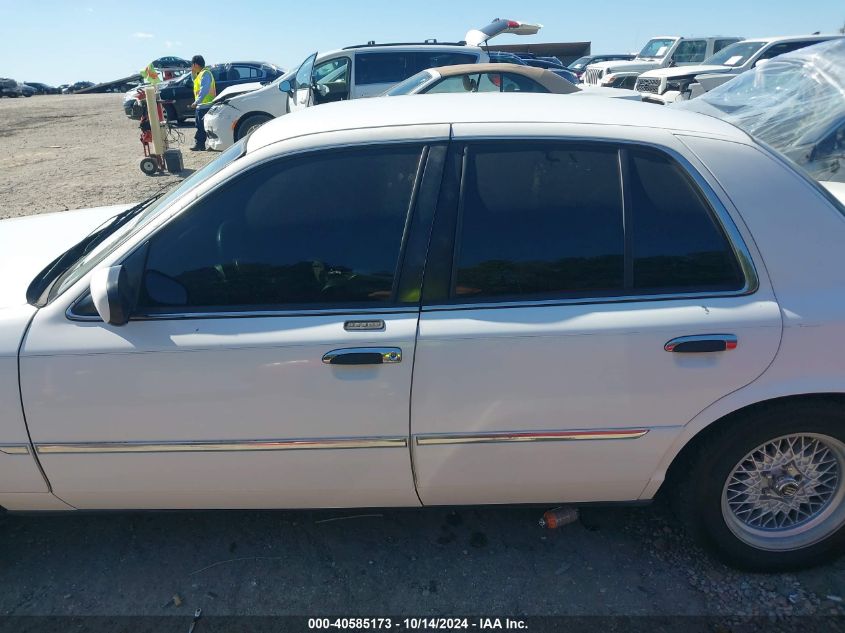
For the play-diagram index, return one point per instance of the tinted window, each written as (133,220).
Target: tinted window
(690,52)
(393,67)
(540,220)
(785,47)
(720,44)
(486,82)
(319,229)
(244,72)
(676,242)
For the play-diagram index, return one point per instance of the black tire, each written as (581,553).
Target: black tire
(699,497)
(250,123)
(149,166)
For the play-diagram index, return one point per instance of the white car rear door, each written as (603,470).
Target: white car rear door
(583,321)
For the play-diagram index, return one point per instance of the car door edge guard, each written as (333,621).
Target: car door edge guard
(529,436)
(221,446)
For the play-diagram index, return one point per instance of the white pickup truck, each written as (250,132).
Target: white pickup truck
(659,52)
(667,85)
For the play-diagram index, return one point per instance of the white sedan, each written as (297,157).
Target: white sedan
(445,301)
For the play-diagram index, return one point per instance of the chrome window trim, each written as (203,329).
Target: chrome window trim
(721,215)
(435,439)
(222,446)
(246,314)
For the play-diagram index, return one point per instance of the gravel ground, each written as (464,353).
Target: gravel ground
(60,152)
(79,151)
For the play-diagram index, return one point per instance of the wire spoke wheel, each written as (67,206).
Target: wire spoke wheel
(788,493)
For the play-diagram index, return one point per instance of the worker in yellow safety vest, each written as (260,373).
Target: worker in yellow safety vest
(204,92)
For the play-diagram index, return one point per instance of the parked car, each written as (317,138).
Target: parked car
(793,103)
(501,57)
(136,348)
(178,95)
(9,88)
(480,78)
(659,52)
(79,85)
(353,72)
(171,63)
(580,64)
(43,89)
(26,90)
(667,85)
(132,108)
(565,73)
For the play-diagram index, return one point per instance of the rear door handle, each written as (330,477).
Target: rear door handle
(702,343)
(363,356)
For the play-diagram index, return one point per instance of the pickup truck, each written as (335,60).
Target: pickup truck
(659,52)
(667,85)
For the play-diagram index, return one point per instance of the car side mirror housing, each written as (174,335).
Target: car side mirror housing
(111,294)
(286,86)
(115,289)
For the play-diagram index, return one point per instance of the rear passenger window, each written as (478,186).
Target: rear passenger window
(549,220)
(539,221)
(677,245)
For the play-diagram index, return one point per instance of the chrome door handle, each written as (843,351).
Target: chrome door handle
(363,356)
(702,343)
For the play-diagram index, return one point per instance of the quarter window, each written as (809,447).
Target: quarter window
(318,230)
(677,245)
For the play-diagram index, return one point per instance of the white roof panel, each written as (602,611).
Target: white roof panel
(485,108)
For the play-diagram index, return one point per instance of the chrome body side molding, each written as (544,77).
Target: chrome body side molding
(221,446)
(529,436)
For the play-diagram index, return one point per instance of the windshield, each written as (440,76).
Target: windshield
(656,48)
(734,55)
(581,62)
(85,263)
(410,85)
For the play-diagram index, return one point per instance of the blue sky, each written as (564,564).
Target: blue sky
(71,40)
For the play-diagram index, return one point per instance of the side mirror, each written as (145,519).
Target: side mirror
(111,294)
(286,86)
(760,62)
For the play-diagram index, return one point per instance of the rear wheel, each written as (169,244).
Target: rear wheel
(249,124)
(768,491)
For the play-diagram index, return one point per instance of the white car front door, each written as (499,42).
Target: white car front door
(600,298)
(269,363)
(303,85)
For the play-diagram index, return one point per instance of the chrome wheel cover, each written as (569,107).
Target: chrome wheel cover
(788,493)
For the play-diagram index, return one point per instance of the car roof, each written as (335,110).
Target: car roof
(484,108)
(792,38)
(546,78)
(391,48)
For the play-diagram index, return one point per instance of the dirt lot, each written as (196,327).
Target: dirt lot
(64,152)
(78,151)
